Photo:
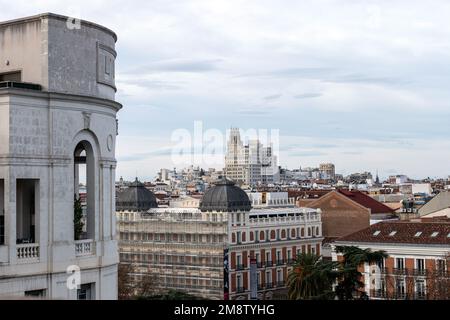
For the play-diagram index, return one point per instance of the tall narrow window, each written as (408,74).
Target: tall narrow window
(2,212)
(84,191)
(27,208)
(400,263)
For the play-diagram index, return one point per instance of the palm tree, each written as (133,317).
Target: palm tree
(311,278)
(349,279)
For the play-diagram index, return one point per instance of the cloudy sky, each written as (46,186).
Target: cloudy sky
(363,84)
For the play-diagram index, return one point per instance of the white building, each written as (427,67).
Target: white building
(57,124)
(250,164)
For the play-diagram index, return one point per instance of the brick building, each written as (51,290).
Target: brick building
(418,263)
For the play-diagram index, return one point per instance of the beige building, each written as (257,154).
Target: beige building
(208,251)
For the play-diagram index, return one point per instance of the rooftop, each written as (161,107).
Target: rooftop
(404,232)
(366,201)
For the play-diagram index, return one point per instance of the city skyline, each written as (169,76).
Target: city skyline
(362,85)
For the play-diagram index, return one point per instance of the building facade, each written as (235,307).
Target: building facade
(417,267)
(58,128)
(250,164)
(208,251)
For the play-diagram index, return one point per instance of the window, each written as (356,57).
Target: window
(420,264)
(279,276)
(268,277)
(84,188)
(393,233)
(35,293)
(86,292)
(239,281)
(2,212)
(27,208)
(11,76)
(400,286)
(441,265)
(418,234)
(434,234)
(268,257)
(420,289)
(400,263)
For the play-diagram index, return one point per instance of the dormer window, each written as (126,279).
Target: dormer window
(418,234)
(434,234)
(376,233)
(393,233)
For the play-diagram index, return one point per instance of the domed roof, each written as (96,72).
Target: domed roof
(135,198)
(225,196)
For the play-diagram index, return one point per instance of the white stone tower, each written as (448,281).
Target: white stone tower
(58,129)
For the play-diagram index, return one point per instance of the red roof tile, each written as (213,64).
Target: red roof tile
(403,232)
(366,201)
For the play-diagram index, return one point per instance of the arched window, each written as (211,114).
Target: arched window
(272,235)
(84,191)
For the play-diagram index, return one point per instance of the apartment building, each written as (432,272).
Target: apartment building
(233,246)
(418,264)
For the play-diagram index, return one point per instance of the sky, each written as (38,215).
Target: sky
(362,84)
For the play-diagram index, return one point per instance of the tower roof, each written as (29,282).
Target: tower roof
(135,198)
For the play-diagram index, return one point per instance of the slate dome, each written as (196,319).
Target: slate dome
(225,196)
(135,198)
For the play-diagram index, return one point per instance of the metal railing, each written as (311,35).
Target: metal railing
(280,262)
(400,271)
(240,289)
(420,272)
(268,263)
(240,266)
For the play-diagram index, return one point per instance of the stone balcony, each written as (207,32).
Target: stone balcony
(84,247)
(27,252)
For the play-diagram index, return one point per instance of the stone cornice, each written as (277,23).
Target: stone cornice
(62,97)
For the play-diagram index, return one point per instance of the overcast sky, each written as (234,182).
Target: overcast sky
(362,84)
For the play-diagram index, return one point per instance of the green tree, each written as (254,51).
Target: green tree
(349,281)
(78,214)
(311,278)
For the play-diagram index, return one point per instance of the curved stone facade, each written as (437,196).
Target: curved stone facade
(40,132)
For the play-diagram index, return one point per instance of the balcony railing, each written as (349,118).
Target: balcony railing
(280,283)
(259,264)
(384,270)
(420,272)
(290,261)
(240,267)
(420,296)
(28,252)
(269,285)
(400,295)
(260,287)
(84,247)
(399,271)
(280,262)
(240,289)
(268,263)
